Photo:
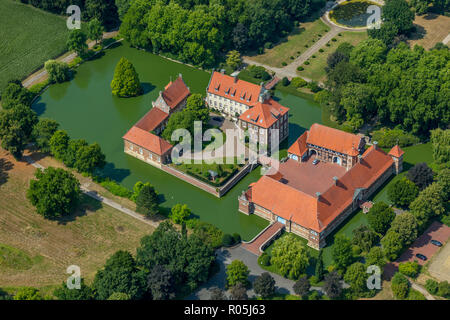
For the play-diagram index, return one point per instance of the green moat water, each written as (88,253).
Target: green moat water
(86,109)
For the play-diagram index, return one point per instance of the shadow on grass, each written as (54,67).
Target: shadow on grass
(86,204)
(5,166)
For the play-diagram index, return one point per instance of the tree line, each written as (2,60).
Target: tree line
(199,31)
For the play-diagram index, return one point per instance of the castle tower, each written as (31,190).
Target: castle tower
(397,155)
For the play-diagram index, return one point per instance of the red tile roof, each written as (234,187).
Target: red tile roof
(147,140)
(299,146)
(234,89)
(175,92)
(396,151)
(264,114)
(306,210)
(152,119)
(333,139)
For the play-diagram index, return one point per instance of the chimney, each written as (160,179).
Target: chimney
(222,71)
(375,145)
(359,158)
(180,75)
(318,195)
(235,78)
(335,180)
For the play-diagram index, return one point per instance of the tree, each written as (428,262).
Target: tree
(444,289)
(179,213)
(441,146)
(238,292)
(368,53)
(196,105)
(380,217)
(399,14)
(356,276)
(264,285)
(119,296)
(237,272)
(406,226)
(64,293)
(409,268)
(54,193)
(59,143)
(392,245)
(15,94)
(77,42)
(161,283)
(430,203)
(147,201)
(364,237)
(402,192)
(89,158)
(302,286)
(399,286)
(95,30)
(240,37)
(217,294)
(290,256)
(104,11)
(43,132)
(432,286)
(376,257)
(421,175)
(28,293)
(120,274)
(126,80)
(16,126)
(342,252)
(122,7)
(319,266)
(234,59)
(385,33)
(58,71)
(332,285)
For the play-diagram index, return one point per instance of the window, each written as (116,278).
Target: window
(140,151)
(131,147)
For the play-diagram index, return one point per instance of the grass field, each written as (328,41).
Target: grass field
(316,69)
(293,45)
(430,29)
(28,38)
(36,252)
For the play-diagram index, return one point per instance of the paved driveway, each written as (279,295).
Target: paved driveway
(224,258)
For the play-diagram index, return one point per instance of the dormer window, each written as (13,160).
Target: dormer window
(217,87)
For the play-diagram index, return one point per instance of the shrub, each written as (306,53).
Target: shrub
(321,50)
(313,56)
(410,268)
(300,68)
(285,82)
(387,138)
(264,259)
(291,57)
(334,39)
(328,44)
(356,250)
(313,280)
(236,237)
(268,45)
(314,86)
(302,286)
(264,285)
(116,189)
(315,295)
(402,192)
(444,289)
(227,240)
(306,63)
(284,64)
(237,272)
(306,46)
(432,286)
(57,71)
(298,82)
(400,286)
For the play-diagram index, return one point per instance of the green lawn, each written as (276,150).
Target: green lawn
(316,68)
(28,38)
(294,45)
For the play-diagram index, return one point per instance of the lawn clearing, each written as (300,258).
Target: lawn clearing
(36,252)
(430,29)
(316,68)
(29,37)
(294,45)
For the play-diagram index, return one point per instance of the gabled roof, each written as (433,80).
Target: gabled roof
(147,140)
(334,139)
(264,114)
(396,151)
(286,202)
(299,146)
(175,92)
(234,89)
(152,119)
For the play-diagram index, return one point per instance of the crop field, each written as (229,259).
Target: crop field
(28,38)
(36,252)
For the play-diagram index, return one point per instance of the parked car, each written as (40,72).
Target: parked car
(421,256)
(315,161)
(436,243)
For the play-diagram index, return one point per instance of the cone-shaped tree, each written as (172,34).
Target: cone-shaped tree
(126,80)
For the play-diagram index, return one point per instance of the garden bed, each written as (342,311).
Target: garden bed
(352,14)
